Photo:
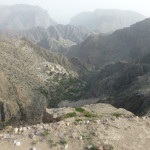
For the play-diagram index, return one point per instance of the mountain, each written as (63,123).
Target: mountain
(23,16)
(105,21)
(56,38)
(124,85)
(73,33)
(122,67)
(61,37)
(130,44)
(33,78)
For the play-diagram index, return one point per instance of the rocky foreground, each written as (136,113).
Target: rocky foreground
(93,127)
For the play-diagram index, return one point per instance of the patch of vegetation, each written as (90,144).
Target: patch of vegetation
(3,125)
(85,113)
(63,142)
(52,143)
(86,137)
(51,73)
(69,115)
(116,115)
(80,109)
(78,120)
(46,133)
(44,92)
(67,89)
(89,114)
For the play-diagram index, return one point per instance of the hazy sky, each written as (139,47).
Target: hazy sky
(63,10)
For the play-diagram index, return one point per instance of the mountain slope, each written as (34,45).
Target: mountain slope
(73,33)
(105,21)
(124,85)
(31,78)
(129,44)
(23,16)
(122,67)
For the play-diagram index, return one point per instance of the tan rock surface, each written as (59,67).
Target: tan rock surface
(123,133)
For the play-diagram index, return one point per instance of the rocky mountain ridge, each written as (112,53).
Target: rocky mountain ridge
(56,38)
(128,44)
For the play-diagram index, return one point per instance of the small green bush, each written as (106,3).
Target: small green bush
(116,115)
(46,133)
(52,143)
(88,114)
(69,115)
(78,120)
(80,109)
(63,142)
(44,92)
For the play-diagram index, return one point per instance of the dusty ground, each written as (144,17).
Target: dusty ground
(103,132)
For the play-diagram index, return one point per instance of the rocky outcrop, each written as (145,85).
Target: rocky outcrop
(23,16)
(110,129)
(105,21)
(84,112)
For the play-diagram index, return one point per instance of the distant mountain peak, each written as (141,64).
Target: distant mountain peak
(106,20)
(23,16)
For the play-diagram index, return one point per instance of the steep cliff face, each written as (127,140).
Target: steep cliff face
(105,21)
(23,17)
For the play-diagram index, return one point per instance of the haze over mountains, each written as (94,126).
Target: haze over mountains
(23,16)
(105,21)
(112,67)
(35,24)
